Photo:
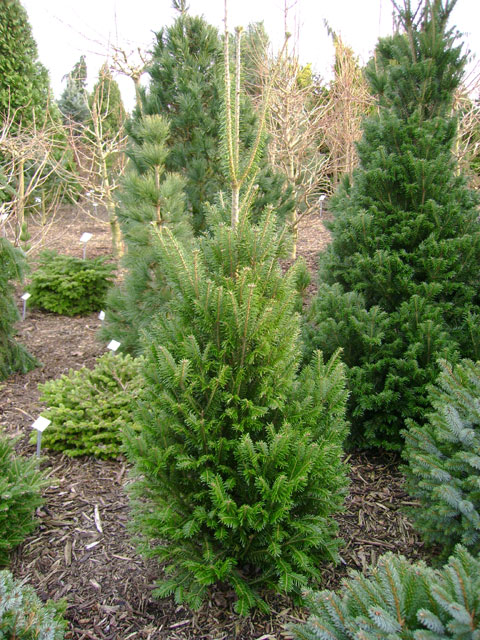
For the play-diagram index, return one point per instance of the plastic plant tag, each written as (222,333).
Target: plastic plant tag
(113,345)
(101,316)
(85,237)
(41,424)
(26,296)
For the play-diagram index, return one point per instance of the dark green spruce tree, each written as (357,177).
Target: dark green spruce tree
(150,198)
(24,84)
(186,87)
(400,278)
(238,464)
(13,356)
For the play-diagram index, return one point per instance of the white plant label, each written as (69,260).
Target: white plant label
(101,316)
(113,345)
(26,296)
(3,217)
(85,237)
(322,198)
(41,424)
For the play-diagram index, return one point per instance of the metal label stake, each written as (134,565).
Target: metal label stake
(40,425)
(85,238)
(25,297)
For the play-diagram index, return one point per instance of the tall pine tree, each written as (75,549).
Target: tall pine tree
(186,86)
(401,274)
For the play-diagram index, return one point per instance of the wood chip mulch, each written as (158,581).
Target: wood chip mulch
(82,550)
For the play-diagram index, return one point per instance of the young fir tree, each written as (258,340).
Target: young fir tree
(401,274)
(13,356)
(238,465)
(24,84)
(149,199)
(106,105)
(73,101)
(444,460)
(186,86)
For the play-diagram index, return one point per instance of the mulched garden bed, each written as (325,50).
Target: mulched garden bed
(82,549)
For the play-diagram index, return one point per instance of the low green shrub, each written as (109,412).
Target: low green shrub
(23,616)
(20,486)
(70,286)
(89,407)
(400,601)
(443,456)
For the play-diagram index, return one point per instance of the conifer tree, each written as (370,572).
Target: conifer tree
(186,86)
(24,84)
(149,199)
(238,463)
(105,103)
(13,356)
(73,101)
(398,600)
(443,456)
(401,274)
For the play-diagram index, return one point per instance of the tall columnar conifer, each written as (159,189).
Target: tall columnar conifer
(149,199)
(24,84)
(400,278)
(238,464)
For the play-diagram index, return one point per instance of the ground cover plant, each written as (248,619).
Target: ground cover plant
(68,285)
(399,282)
(443,456)
(20,494)
(13,357)
(400,600)
(23,616)
(88,408)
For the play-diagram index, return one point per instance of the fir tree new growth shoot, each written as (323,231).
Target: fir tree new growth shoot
(400,278)
(238,464)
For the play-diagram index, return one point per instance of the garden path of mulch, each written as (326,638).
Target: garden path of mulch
(81,549)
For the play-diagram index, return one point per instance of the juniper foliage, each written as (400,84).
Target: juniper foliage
(88,408)
(399,601)
(13,356)
(443,456)
(405,251)
(238,464)
(150,198)
(20,485)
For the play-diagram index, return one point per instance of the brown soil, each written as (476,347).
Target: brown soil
(81,549)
